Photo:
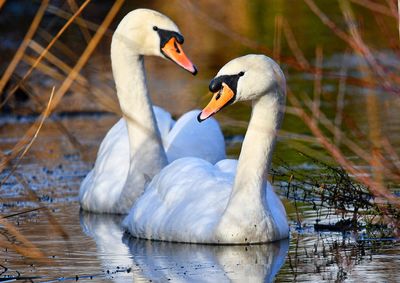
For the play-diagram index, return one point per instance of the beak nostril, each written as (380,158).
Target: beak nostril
(177,48)
(218,96)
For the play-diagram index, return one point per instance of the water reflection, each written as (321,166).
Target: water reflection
(160,261)
(111,251)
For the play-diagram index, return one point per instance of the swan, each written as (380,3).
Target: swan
(141,143)
(231,202)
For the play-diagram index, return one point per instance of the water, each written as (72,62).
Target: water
(96,249)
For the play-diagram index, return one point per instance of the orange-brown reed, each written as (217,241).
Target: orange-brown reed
(308,109)
(24,246)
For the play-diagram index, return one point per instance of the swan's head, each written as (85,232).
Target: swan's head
(245,78)
(147,32)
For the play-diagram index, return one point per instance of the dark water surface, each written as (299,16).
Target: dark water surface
(96,249)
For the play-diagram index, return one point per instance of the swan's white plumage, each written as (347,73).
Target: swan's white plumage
(101,189)
(192,200)
(190,138)
(133,150)
(177,208)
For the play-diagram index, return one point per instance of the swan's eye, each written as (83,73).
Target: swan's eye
(155,28)
(241,74)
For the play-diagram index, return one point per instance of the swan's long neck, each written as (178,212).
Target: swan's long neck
(247,204)
(258,146)
(147,155)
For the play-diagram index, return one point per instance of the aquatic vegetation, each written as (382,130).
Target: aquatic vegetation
(330,190)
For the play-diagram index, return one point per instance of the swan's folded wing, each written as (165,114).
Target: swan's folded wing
(189,138)
(101,189)
(164,122)
(184,202)
(227,166)
(277,209)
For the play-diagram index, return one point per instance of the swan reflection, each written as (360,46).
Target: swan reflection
(162,261)
(111,251)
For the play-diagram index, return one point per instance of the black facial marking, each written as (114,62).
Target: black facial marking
(166,35)
(230,80)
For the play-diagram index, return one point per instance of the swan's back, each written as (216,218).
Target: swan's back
(190,138)
(186,201)
(182,203)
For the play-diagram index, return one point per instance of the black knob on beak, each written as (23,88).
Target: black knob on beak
(215,85)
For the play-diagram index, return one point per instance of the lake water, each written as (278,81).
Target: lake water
(95,248)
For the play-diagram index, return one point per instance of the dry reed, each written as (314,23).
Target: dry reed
(2,3)
(291,61)
(386,80)
(21,50)
(376,7)
(43,54)
(69,79)
(28,146)
(23,246)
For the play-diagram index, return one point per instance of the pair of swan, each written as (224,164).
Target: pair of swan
(199,197)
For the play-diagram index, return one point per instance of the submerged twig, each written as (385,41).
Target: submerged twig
(331,187)
(22,212)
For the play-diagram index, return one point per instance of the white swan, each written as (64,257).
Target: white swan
(133,150)
(231,202)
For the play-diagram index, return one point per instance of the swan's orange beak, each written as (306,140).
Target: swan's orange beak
(173,50)
(218,101)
